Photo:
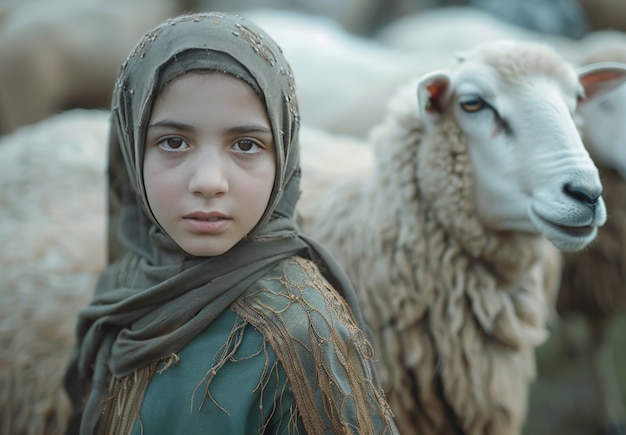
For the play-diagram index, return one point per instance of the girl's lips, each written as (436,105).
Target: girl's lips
(204,215)
(207,223)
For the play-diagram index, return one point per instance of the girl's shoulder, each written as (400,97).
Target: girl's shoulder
(295,275)
(296,284)
(326,356)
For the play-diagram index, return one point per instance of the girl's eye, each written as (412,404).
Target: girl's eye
(472,104)
(173,144)
(246,146)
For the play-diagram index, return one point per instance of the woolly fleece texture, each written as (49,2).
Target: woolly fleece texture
(52,235)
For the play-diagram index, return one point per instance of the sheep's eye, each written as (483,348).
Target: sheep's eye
(472,104)
(579,98)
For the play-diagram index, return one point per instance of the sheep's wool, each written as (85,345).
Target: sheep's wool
(466,337)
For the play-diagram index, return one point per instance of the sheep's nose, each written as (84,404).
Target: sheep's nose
(582,194)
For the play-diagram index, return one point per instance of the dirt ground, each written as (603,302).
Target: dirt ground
(562,401)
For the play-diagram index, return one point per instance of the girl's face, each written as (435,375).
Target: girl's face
(210,163)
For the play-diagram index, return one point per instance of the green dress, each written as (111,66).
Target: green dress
(229,380)
(233,401)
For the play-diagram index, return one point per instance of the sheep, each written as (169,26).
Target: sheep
(452,235)
(603,129)
(440,29)
(332,68)
(594,280)
(52,233)
(605,14)
(356,16)
(65,54)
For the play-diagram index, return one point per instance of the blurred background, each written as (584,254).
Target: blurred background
(60,54)
(347,55)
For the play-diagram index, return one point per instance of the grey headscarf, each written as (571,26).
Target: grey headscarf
(154,298)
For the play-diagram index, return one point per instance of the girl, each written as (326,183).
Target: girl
(215,315)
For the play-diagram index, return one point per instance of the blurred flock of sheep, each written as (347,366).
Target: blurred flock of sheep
(58,60)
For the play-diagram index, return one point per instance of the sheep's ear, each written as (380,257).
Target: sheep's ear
(600,78)
(432,94)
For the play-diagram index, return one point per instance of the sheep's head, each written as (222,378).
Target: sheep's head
(604,113)
(514,106)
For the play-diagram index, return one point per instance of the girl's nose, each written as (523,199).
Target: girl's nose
(208,177)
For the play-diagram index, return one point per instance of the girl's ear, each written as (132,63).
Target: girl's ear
(598,79)
(433,92)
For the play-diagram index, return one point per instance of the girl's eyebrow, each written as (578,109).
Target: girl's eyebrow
(248,128)
(172,125)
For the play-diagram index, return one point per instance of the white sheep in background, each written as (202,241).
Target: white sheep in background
(456,28)
(450,237)
(61,54)
(439,29)
(604,127)
(52,230)
(356,16)
(594,280)
(343,81)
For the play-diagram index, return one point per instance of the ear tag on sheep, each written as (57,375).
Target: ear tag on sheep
(599,79)
(431,93)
